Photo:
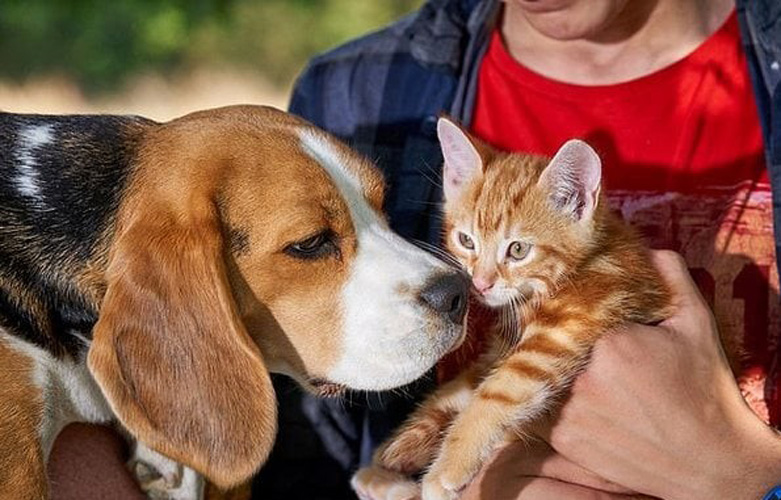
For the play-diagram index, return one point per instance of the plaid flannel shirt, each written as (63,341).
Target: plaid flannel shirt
(383,94)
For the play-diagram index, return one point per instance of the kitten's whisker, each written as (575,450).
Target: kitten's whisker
(570,281)
(433,171)
(516,322)
(533,378)
(434,181)
(515,336)
(424,202)
(431,247)
(437,251)
(501,329)
(506,331)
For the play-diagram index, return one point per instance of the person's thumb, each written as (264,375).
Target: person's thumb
(690,312)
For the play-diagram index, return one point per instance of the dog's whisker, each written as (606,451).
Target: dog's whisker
(172,270)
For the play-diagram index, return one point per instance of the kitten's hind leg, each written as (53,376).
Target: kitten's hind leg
(415,444)
(518,391)
(376,483)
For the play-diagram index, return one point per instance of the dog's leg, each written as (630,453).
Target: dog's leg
(22,452)
(162,478)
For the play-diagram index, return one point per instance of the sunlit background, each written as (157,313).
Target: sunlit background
(164,58)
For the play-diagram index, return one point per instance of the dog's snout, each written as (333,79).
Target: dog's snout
(447,295)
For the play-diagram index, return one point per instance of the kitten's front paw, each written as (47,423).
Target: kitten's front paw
(433,489)
(446,479)
(376,483)
(410,452)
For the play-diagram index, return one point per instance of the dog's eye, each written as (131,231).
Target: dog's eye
(319,245)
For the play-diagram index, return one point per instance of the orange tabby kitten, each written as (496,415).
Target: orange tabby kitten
(541,243)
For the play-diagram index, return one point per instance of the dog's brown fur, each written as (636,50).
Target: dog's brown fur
(22,457)
(192,292)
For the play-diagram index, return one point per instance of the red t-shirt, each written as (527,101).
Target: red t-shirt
(682,160)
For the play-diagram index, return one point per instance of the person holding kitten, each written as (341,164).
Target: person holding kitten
(679,98)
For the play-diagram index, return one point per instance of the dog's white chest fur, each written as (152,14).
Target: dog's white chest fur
(69,392)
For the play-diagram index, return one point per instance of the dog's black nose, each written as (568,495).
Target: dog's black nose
(447,295)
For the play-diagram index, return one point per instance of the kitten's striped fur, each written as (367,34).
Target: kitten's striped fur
(584,274)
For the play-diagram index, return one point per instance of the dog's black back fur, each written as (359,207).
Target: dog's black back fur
(61,179)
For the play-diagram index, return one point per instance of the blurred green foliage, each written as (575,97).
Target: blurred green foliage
(100,43)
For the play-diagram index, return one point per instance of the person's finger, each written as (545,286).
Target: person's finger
(88,461)
(676,275)
(539,488)
(691,315)
(537,459)
(686,296)
(556,466)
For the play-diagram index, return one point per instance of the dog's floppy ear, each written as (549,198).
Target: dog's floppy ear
(171,354)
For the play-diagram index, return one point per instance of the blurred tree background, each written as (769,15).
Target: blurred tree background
(100,44)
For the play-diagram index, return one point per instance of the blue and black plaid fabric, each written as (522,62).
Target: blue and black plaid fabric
(382,94)
(773,494)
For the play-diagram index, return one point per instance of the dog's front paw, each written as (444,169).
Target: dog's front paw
(161,478)
(185,484)
(376,483)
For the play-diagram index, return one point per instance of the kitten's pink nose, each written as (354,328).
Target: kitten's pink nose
(482,284)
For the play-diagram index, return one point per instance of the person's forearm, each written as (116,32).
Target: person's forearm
(767,471)
(658,410)
(746,467)
(761,466)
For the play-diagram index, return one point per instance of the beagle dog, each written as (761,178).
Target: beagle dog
(154,273)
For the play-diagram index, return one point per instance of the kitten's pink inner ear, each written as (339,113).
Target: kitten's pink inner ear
(573,178)
(462,161)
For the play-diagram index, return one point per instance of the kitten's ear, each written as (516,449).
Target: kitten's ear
(573,179)
(462,160)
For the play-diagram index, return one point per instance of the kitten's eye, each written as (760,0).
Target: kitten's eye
(466,241)
(518,250)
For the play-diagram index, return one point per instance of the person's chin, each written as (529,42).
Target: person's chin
(543,6)
(567,20)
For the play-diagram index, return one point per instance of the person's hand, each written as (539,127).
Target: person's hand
(89,462)
(534,471)
(657,411)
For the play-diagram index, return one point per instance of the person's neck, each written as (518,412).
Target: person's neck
(647,35)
